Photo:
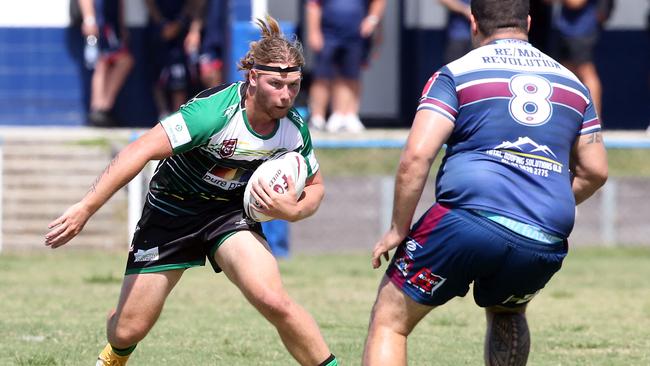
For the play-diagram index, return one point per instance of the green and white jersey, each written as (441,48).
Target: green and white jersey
(216,151)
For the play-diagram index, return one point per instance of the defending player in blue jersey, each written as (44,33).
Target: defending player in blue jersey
(523,148)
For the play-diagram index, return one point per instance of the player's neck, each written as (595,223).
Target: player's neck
(257,118)
(503,34)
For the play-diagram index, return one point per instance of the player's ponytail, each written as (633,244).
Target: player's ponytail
(272,47)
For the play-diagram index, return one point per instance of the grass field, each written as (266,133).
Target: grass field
(596,311)
(351,162)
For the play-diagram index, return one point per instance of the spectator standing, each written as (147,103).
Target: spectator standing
(205,41)
(106,37)
(579,23)
(169,23)
(523,148)
(338,31)
(459,40)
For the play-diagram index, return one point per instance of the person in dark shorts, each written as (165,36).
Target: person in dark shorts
(194,210)
(169,22)
(205,41)
(338,32)
(523,147)
(103,24)
(578,25)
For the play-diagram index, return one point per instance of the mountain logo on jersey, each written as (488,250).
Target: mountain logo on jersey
(522,154)
(227,148)
(523,142)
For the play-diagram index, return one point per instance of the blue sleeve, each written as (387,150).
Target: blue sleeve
(439,95)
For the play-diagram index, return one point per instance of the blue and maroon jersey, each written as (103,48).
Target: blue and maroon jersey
(517,114)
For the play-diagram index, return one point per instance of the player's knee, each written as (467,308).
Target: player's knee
(123,334)
(274,305)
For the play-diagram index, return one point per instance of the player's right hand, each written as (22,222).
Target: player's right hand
(67,226)
(389,241)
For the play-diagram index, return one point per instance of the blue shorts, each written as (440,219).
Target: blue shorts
(340,58)
(447,249)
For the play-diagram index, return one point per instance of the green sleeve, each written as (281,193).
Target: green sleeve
(199,119)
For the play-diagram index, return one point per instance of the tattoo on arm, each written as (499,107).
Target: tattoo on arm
(106,171)
(595,137)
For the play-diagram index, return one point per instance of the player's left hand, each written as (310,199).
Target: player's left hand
(279,205)
(368,26)
(388,242)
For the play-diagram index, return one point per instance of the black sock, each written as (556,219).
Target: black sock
(330,361)
(124,351)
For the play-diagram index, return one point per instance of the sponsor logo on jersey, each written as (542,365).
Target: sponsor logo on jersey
(527,155)
(176,130)
(426,282)
(148,255)
(227,148)
(228,112)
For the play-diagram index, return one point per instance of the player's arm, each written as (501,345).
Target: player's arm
(429,132)
(153,145)
(588,165)
(311,197)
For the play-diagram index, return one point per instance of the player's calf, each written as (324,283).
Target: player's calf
(507,340)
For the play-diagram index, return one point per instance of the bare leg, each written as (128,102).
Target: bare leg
(507,339)
(115,78)
(393,317)
(263,289)
(141,301)
(589,76)
(319,95)
(178,99)
(344,96)
(98,85)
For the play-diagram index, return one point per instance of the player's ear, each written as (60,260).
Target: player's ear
(473,25)
(252,78)
(528,28)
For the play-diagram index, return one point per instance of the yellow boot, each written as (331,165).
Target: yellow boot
(108,358)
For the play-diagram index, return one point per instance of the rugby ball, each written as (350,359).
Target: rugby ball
(276,174)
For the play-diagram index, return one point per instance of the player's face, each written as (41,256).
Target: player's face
(276,91)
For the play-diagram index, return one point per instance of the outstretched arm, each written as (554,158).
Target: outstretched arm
(429,132)
(126,165)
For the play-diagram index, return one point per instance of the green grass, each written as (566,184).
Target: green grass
(353,162)
(596,311)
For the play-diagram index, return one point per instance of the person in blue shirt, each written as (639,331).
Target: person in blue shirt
(578,24)
(523,147)
(458,41)
(337,32)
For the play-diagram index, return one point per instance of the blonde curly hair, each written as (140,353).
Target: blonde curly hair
(274,47)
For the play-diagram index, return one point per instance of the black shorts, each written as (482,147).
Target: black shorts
(163,242)
(577,50)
